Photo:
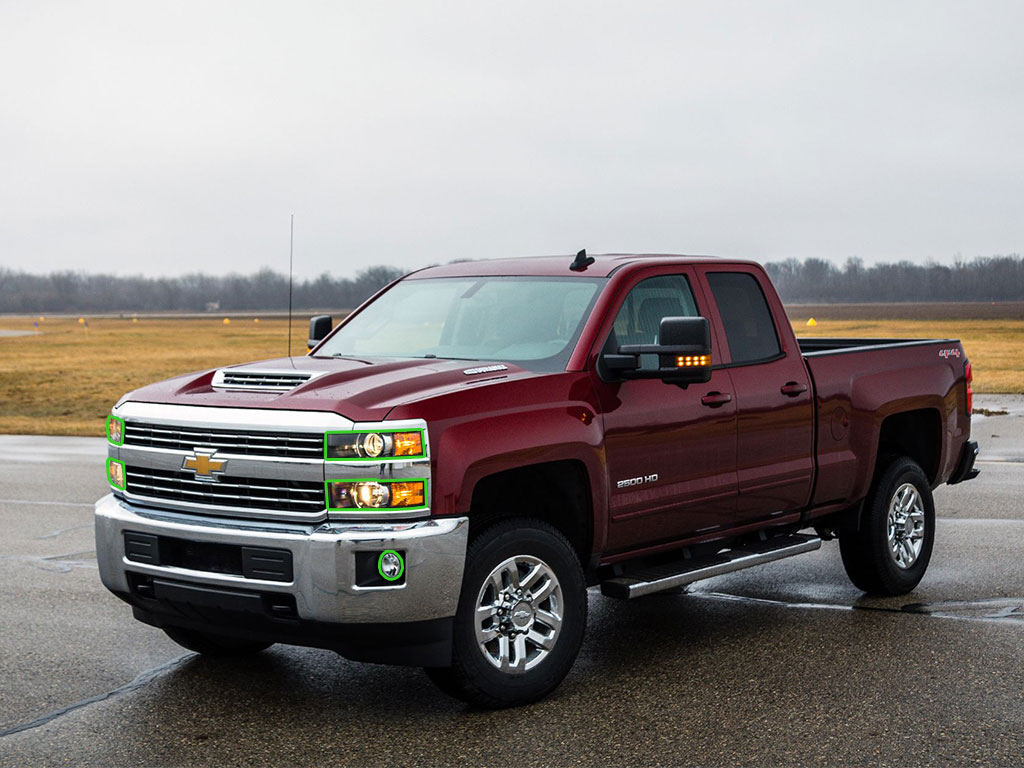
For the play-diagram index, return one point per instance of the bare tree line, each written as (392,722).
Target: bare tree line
(991,278)
(996,278)
(21,292)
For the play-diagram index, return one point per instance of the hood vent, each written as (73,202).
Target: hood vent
(263,381)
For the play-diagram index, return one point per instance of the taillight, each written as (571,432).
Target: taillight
(969,375)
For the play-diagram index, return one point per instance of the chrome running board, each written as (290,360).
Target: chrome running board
(646,581)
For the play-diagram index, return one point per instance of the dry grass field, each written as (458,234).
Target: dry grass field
(992,334)
(63,380)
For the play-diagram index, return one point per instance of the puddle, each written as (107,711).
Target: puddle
(1008,609)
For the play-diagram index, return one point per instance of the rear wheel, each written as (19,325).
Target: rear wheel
(889,553)
(214,645)
(520,619)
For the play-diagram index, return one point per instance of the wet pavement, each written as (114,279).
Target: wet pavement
(783,664)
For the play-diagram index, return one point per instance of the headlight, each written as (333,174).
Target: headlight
(115,429)
(115,473)
(376,494)
(369,446)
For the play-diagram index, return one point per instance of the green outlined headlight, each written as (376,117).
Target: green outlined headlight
(376,494)
(116,474)
(370,446)
(115,430)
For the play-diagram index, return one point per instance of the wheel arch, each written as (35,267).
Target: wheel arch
(557,492)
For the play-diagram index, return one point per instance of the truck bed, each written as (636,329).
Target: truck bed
(860,383)
(822,345)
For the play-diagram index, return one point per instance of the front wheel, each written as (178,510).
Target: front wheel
(520,619)
(889,553)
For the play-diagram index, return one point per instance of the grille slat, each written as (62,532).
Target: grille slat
(243,493)
(295,445)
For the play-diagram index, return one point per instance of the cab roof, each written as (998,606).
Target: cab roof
(604,265)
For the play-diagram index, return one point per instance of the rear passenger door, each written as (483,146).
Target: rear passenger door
(772,389)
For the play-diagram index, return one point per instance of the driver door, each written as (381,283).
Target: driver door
(670,452)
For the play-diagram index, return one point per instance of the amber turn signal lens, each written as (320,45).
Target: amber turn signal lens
(693,361)
(407,494)
(408,443)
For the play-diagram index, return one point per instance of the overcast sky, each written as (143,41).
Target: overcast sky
(161,138)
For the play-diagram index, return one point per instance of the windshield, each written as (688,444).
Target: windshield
(533,321)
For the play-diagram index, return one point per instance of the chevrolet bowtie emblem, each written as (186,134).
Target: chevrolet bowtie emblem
(204,465)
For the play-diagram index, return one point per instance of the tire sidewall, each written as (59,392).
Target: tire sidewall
(505,540)
(903,471)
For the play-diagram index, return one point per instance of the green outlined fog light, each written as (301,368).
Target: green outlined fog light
(390,565)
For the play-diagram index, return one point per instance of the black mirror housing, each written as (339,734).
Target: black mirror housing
(683,350)
(319,327)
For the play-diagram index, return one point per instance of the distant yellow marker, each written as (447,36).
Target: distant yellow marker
(812,322)
(255,319)
(227,321)
(81,321)
(41,318)
(135,319)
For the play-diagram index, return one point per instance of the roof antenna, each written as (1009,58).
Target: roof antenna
(581,262)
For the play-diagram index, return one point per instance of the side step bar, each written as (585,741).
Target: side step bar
(649,580)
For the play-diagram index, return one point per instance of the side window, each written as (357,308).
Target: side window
(749,327)
(639,318)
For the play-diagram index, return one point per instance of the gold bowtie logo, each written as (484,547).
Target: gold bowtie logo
(204,465)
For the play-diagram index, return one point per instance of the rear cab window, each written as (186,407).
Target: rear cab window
(749,326)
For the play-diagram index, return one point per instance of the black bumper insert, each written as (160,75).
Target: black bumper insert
(250,562)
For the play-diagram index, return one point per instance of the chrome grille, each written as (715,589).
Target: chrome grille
(291,445)
(238,492)
(268,381)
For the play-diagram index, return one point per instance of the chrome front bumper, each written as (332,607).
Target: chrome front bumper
(323,558)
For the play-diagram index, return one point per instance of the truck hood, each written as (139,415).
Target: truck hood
(361,390)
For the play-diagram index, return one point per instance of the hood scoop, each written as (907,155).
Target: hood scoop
(485,369)
(262,381)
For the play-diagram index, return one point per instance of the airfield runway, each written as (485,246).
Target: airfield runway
(786,664)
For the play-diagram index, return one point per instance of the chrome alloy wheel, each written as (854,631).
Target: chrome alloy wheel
(905,525)
(519,614)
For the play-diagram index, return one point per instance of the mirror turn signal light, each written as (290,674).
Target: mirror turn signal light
(693,361)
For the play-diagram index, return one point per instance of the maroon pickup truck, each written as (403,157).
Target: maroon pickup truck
(439,481)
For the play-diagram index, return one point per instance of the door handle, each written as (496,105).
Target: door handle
(716,399)
(793,388)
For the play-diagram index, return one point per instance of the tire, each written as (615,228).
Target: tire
(890,550)
(527,643)
(214,645)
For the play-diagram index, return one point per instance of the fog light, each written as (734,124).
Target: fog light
(115,430)
(390,565)
(115,473)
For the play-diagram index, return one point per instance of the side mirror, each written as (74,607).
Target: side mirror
(683,350)
(319,327)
